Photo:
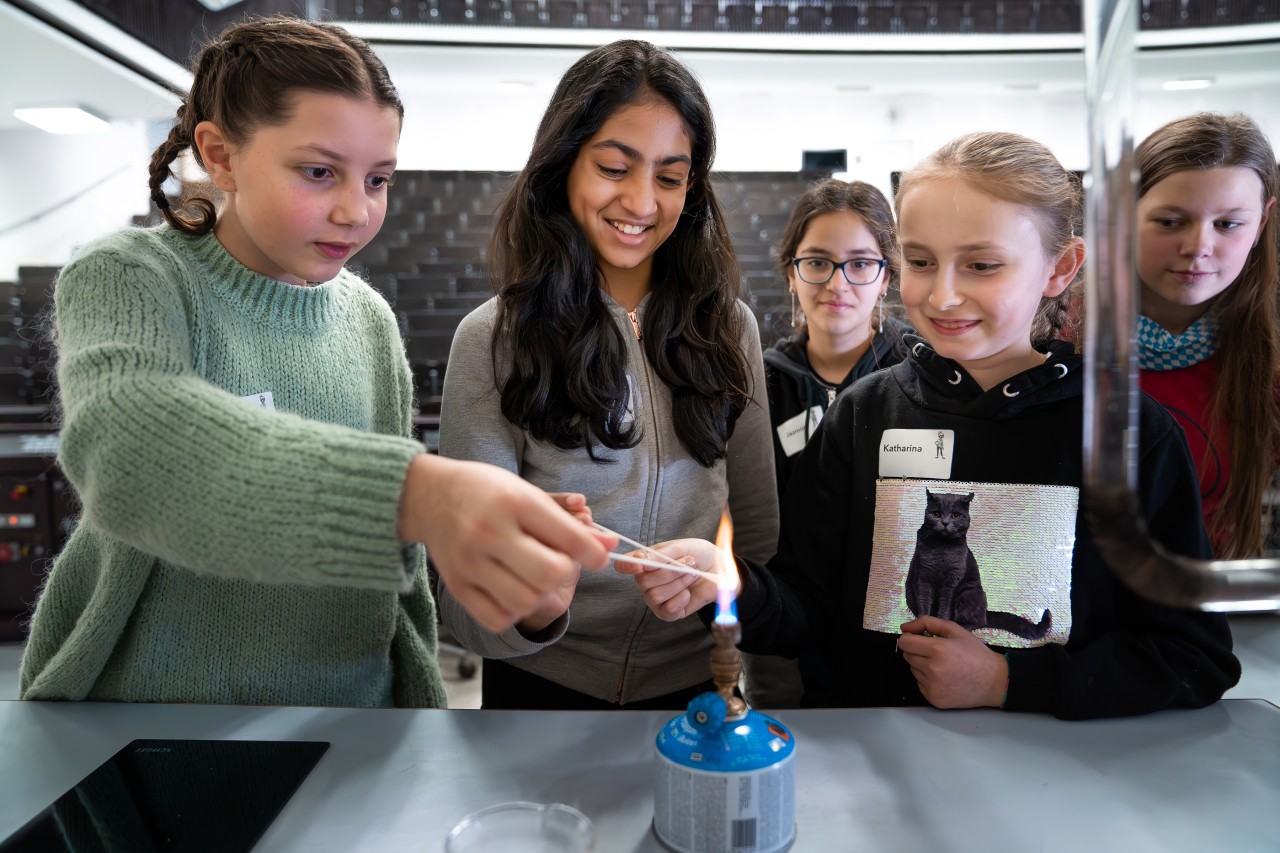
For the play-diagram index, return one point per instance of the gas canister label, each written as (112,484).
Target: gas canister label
(746,812)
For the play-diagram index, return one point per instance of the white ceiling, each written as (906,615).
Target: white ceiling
(41,66)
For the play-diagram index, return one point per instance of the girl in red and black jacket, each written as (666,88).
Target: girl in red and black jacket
(1209,331)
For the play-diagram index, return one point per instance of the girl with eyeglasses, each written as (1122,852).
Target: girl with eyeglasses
(837,256)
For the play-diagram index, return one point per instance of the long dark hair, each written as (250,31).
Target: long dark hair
(1248,319)
(245,79)
(568,382)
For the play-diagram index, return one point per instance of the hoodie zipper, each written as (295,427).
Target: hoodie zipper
(657,456)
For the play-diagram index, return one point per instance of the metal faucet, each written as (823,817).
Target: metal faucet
(1111,386)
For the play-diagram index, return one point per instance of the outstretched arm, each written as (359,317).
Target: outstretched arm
(502,546)
(473,431)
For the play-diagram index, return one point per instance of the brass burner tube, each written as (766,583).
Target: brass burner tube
(726,665)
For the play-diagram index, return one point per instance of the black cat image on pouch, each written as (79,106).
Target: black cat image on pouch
(943,578)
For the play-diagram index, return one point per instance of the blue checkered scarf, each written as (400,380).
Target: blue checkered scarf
(1159,350)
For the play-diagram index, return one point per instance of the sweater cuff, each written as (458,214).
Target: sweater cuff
(412,555)
(754,594)
(1033,680)
(363,498)
(521,644)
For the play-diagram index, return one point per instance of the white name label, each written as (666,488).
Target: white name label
(792,432)
(262,400)
(921,453)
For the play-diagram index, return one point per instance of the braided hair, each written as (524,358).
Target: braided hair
(246,78)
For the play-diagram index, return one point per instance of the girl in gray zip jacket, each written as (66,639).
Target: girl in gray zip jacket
(616,362)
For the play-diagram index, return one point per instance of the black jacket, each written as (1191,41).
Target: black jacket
(1124,655)
(794,388)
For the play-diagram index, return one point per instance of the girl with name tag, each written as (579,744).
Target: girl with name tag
(837,255)
(236,422)
(1209,332)
(617,362)
(963,574)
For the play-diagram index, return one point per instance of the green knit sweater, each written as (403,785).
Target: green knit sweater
(229,553)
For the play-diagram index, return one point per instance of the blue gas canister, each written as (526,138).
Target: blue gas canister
(724,784)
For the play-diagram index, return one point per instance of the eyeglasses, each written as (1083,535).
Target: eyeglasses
(856,270)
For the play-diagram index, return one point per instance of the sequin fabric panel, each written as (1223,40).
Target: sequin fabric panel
(1021,536)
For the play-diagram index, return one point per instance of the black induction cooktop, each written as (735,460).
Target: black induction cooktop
(198,795)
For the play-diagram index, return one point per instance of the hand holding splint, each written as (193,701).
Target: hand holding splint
(556,602)
(670,593)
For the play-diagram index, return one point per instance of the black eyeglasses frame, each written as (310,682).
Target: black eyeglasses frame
(840,265)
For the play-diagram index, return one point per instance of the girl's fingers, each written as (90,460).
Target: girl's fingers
(483,608)
(669,591)
(678,606)
(668,609)
(512,591)
(549,524)
(694,552)
(653,579)
(915,644)
(574,503)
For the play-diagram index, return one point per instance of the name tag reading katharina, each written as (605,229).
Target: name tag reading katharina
(919,453)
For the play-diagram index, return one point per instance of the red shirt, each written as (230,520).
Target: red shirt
(1187,393)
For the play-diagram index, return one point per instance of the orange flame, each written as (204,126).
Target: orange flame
(726,570)
(724,542)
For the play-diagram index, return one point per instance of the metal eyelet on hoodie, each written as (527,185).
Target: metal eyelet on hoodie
(955,381)
(1005,390)
(915,350)
(1062,370)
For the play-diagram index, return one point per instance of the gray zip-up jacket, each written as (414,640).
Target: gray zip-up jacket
(609,645)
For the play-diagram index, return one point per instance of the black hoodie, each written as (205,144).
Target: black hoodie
(1123,655)
(794,387)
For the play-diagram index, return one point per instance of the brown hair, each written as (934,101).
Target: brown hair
(1019,170)
(833,196)
(246,78)
(1244,402)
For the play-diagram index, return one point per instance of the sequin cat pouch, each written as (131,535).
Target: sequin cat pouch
(992,557)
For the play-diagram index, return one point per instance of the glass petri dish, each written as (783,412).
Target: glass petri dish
(520,827)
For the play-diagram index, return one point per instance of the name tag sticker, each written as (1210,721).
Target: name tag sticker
(917,453)
(262,400)
(792,433)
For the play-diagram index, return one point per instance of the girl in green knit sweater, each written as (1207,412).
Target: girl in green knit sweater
(237,422)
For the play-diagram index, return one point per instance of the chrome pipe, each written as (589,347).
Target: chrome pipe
(1111,391)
